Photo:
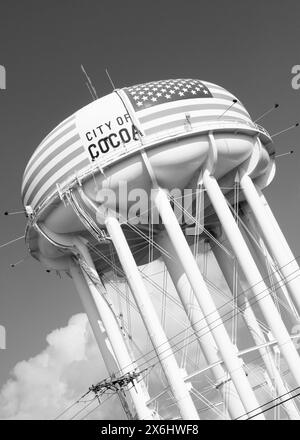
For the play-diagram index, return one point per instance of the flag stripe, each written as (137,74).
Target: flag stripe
(45,145)
(212,113)
(59,127)
(60,173)
(167,106)
(183,107)
(65,140)
(212,86)
(172,124)
(51,163)
(44,178)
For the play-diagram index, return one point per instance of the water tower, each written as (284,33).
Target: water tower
(150,172)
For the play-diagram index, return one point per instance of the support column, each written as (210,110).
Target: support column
(202,294)
(252,275)
(256,332)
(98,311)
(200,327)
(151,321)
(274,239)
(263,259)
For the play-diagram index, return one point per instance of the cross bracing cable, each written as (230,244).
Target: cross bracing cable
(196,337)
(252,301)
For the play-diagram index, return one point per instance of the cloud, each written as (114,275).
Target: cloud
(43,386)
(48,383)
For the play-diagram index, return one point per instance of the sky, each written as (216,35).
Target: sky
(247,47)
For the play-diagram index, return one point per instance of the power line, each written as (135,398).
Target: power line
(180,348)
(238,311)
(85,407)
(267,403)
(253,301)
(271,401)
(99,404)
(274,406)
(114,384)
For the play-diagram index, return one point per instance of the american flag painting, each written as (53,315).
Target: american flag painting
(150,94)
(161,109)
(164,106)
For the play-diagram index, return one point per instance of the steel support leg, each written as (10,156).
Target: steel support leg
(200,327)
(151,321)
(252,275)
(202,294)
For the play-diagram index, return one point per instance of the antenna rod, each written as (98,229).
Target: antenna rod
(18,262)
(284,154)
(12,241)
(110,80)
(266,113)
(89,84)
(90,90)
(14,212)
(234,101)
(286,129)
